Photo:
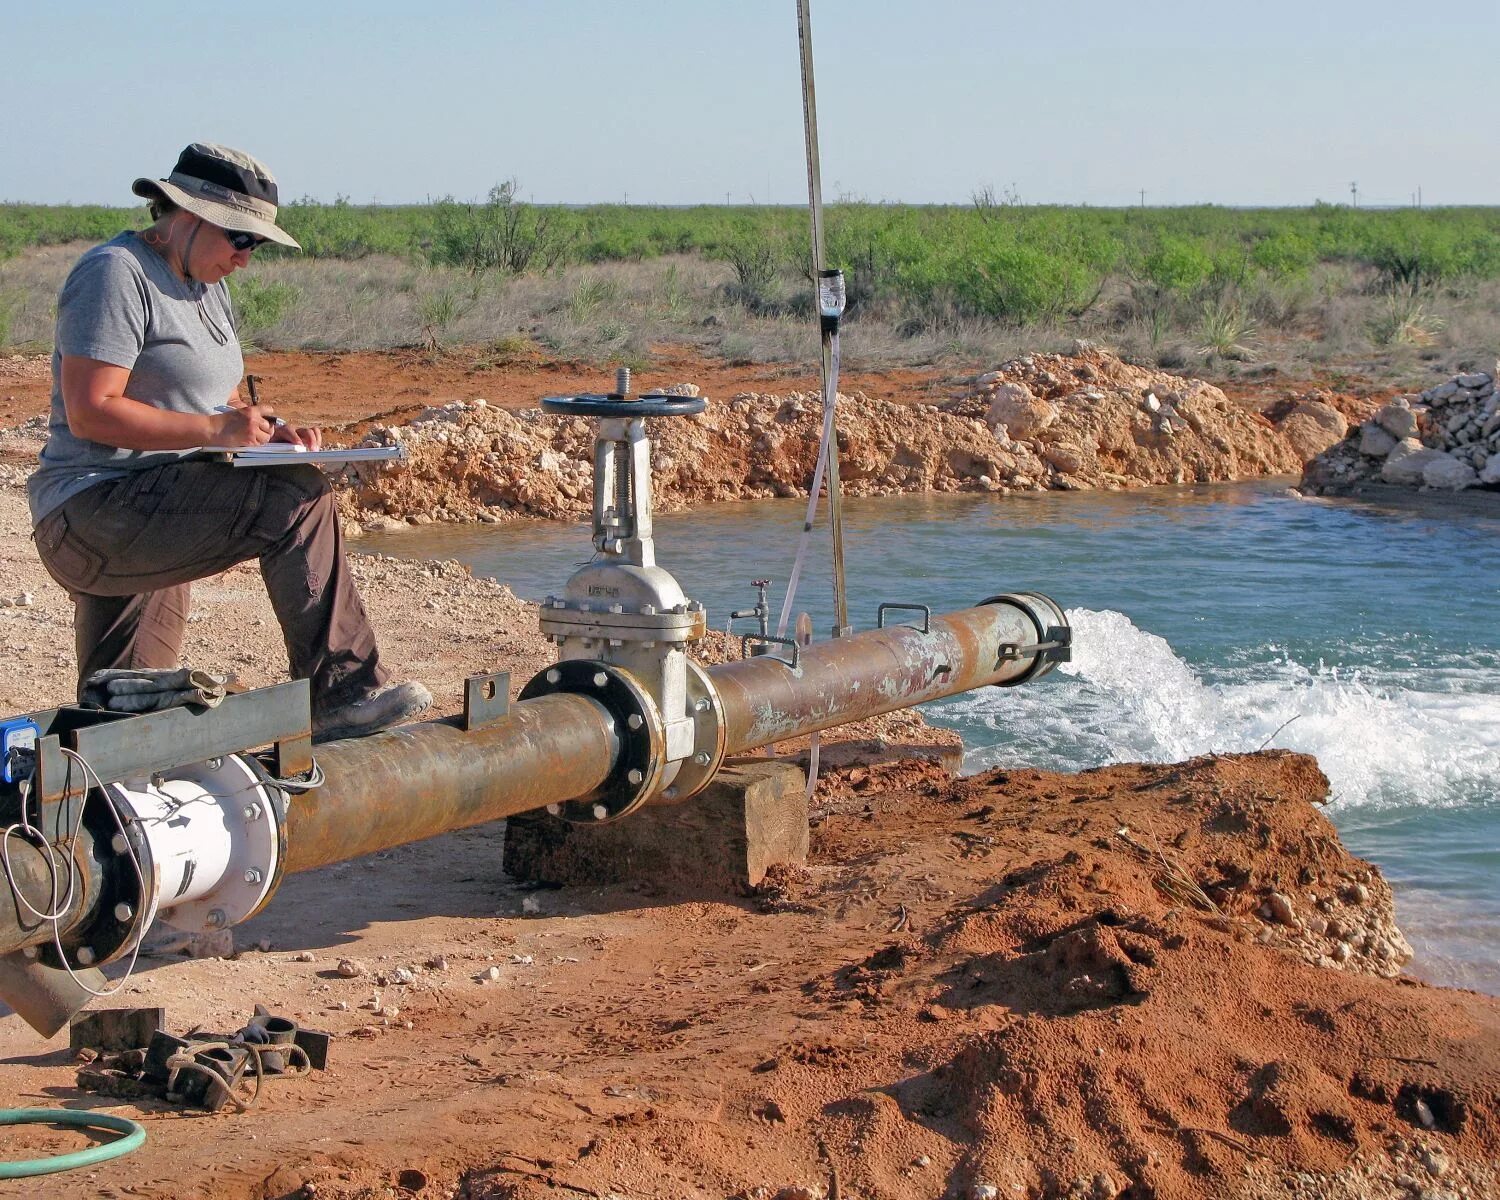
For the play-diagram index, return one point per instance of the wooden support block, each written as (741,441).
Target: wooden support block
(753,814)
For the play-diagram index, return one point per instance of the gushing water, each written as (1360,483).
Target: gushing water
(1130,697)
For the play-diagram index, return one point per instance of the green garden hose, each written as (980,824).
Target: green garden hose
(23,1168)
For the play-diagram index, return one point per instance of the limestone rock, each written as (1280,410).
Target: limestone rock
(1065,456)
(1376,441)
(1310,432)
(1407,462)
(1023,415)
(1397,419)
(1325,415)
(1450,474)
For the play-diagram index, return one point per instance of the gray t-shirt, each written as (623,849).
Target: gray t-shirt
(124,306)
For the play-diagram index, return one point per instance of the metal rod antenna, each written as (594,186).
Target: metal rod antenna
(829,327)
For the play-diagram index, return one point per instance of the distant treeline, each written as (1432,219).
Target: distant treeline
(1017,264)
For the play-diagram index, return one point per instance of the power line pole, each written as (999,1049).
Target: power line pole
(1354,195)
(1143,197)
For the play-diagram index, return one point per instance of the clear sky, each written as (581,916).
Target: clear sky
(681,101)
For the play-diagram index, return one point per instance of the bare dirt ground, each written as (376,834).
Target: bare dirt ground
(349,389)
(1135,982)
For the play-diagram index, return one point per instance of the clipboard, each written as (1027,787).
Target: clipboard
(283,454)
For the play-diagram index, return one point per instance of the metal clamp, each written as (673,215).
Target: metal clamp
(1057,648)
(767,640)
(924,609)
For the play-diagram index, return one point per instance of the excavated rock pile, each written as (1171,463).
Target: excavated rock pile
(1446,438)
(1039,422)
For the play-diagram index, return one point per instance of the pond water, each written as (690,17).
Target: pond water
(1215,618)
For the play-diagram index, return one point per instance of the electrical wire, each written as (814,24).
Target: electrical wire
(310,780)
(140,876)
(58,905)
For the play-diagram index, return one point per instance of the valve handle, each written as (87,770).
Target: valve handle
(651,404)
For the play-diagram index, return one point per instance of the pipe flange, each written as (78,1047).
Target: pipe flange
(1054,636)
(638,725)
(695,772)
(122,913)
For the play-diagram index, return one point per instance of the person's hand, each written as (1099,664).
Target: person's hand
(299,435)
(250,425)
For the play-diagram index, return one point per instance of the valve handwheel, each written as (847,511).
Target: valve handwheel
(651,404)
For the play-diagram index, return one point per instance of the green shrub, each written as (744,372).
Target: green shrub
(1177,266)
(1226,331)
(438,310)
(755,257)
(503,234)
(590,294)
(260,305)
(1285,254)
(10,304)
(1405,321)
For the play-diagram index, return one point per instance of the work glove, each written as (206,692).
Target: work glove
(150,689)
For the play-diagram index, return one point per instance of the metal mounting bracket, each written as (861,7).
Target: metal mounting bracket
(925,610)
(486,699)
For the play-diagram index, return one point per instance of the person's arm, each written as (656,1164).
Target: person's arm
(97,409)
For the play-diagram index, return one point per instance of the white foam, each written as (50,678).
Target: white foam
(1129,697)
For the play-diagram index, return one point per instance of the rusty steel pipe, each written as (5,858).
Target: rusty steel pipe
(881,670)
(404,785)
(418,781)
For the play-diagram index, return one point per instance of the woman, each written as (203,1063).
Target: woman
(146,368)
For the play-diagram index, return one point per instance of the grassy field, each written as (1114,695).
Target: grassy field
(1382,292)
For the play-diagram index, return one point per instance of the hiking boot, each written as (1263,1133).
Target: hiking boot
(371,711)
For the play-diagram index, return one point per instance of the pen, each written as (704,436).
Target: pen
(253,382)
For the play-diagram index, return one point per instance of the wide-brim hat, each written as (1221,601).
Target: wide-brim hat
(225,187)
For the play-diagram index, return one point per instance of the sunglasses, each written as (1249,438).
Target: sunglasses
(244,241)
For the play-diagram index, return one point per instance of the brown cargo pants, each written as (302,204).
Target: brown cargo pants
(128,550)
